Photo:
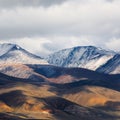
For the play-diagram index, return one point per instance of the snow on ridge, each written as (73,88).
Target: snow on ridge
(4,48)
(89,57)
(112,66)
(12,53)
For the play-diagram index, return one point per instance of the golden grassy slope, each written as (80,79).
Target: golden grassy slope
(92,96)
(28,101)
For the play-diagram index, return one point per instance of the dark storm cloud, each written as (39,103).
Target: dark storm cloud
(27,3)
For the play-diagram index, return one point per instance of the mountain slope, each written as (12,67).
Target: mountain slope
(11,53)
(87,96)
(89,57)
(112,66)
(39,102)
(59,75)
(4,48)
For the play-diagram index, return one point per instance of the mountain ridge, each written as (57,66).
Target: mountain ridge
(12,53)
(89,57)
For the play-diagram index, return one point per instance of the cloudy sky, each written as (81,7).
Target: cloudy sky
(45,26)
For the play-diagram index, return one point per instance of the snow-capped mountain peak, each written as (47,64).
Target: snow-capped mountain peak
(12,53)
(89,57)
(6,47)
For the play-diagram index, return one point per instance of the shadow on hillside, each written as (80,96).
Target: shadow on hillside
(79,85)
(13,98)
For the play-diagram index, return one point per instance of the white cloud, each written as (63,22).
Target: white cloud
(43,30)
(114,44)
(74,18)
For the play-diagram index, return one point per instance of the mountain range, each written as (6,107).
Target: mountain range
(88,57)
(80,83)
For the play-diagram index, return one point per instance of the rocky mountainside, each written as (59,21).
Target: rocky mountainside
(89,57)
(112,66)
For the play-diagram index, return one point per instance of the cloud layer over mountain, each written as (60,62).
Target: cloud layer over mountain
(44,26)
